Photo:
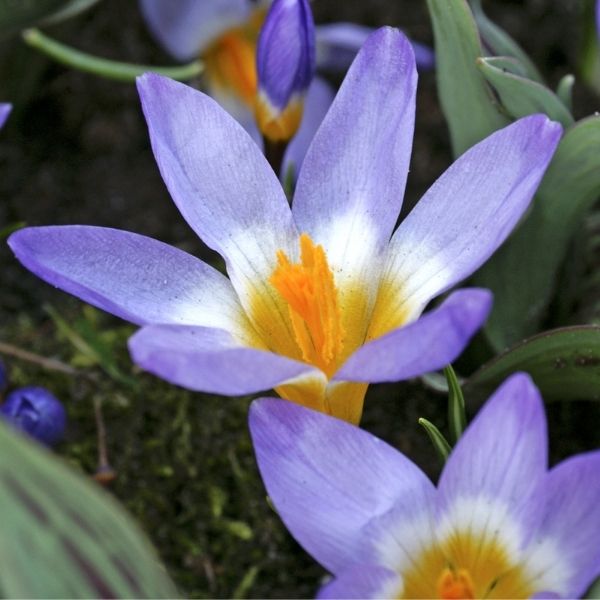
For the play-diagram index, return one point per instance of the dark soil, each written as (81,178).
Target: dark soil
(76,150)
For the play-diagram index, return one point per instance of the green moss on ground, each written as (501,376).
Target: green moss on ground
(184,461)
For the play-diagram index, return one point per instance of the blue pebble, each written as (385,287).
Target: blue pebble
(37,412)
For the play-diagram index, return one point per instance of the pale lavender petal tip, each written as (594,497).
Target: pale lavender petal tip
(209,360)
(430,343)
(4,112)
(338,44)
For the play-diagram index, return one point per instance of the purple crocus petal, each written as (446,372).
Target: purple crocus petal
(338,43)
(318,100)
(185,27)
(220,181)
(4,112)
(428,344)
(285,57)
(570,525)
(210,360)
(470,210)
(351,184)
(492,476)
(363,581)
(129,275)
(328,479)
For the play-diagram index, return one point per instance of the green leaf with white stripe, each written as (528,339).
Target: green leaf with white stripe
(61,536)
(523,272)
(521,96)
(564,363)
(466,99)
(500,43)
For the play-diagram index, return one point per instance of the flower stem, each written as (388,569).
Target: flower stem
(103,67)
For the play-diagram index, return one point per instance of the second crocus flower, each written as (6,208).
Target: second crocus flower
(498,525)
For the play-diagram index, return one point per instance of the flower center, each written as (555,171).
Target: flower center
(309,290)
(230,62)
(467,565)
(454,585)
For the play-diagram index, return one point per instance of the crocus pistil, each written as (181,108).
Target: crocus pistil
(311,295)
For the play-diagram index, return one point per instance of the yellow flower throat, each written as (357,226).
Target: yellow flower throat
(230,62)
(309,289)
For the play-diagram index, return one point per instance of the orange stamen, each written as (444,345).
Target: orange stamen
(309,290)
(455,585)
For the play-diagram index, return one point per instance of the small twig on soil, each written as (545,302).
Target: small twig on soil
(47,363)
(104,473)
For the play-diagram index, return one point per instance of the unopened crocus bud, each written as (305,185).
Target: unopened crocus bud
(37,412)
(285,67)
(3,377)
(4,112)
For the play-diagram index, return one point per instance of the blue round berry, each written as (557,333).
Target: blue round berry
(37,412)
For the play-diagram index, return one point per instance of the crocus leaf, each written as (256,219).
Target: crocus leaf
(590,55)
(457,420)
(522,274)
(564,90)
(466,100)
(564,363)
(15,16)
(439,442)
(61,536)
(500,43)
(521,96)
(69,10)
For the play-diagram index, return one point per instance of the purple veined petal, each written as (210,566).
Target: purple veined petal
(220,181)
(470,210)
(352,181)
(318,100)
(4,112)
(206,359)
(566,547)
(491,483)
(129,275)
(338,43)
(429,343)
(345,476)
(185,27)
(285,59)
(363,581)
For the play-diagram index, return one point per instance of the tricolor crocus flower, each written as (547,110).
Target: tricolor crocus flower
(224,33)
(286,67)
(4,112)
(498,525)
(321,298)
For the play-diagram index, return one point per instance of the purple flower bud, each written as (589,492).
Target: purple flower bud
(37,412)
(3,377)
(285,66)
(4,112)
